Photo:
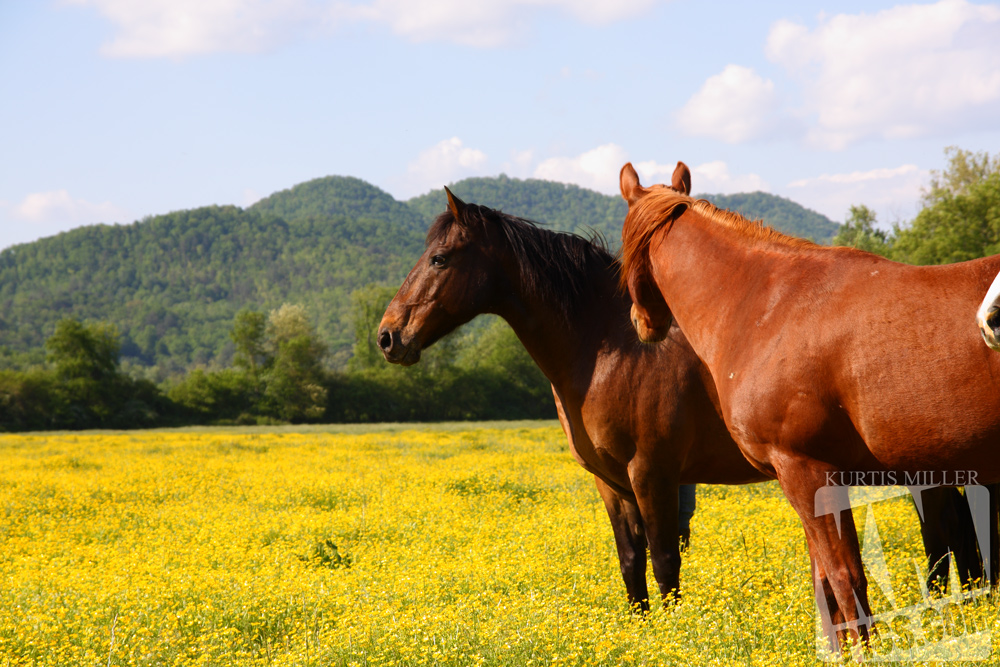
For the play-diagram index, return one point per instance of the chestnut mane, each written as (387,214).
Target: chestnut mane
(662,206)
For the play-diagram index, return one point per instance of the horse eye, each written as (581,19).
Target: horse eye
(439,260)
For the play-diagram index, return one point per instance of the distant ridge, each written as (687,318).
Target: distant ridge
(172,283)
(559,206)
(570,208)
(337,196)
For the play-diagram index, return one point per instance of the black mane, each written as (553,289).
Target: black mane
(557,266)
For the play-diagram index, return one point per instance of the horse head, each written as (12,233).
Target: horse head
(650,313)
(449,285)
(988,315)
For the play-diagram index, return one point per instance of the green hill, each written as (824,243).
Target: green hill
(334,196)
(172,283)
(574,209)
(562,207)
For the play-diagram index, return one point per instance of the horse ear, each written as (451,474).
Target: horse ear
(681,180)
(629,182)
(455,205)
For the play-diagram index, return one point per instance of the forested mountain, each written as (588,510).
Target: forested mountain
(567,208)
(173,283)
(574,209)
(334,196)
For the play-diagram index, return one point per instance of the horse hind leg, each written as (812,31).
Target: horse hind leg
(949,537)
(687,504)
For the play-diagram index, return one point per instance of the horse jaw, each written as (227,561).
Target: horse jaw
(988,316)
(644,329)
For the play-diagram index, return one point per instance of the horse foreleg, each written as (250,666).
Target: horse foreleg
(826,601)
(834,547)
(626,522)
(657,498)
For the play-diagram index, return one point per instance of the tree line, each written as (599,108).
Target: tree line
(279,374)
(959,220)
(173,283)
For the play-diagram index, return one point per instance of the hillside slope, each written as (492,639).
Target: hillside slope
(172,283)
(574,209)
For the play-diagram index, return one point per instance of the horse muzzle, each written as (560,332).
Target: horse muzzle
(989,326)
(395,351)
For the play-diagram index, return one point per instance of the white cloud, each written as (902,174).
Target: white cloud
(179,28)
(483,23)
(709,177)
(443,163)
(520,163)
(908,71)
(859,176)
(596,169)
(250,197)
(893,193)
(734,106)
(714,178)
(59,206)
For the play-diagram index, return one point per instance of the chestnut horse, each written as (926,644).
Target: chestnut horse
(826,361)
(642,418)
(988,315)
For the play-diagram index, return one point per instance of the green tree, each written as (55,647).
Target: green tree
(295,379)
(368,304)
(84,351)
(90,390)
(961,215)
(498,350)
(859,231)
(247,335)
(85,360)
(965,170)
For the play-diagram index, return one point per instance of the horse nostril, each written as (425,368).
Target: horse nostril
(385,341)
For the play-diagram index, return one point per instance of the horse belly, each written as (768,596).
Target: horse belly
(958,441)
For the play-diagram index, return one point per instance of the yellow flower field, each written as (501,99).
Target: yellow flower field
(454,545)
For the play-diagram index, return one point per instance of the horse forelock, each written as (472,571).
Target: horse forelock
(440,227)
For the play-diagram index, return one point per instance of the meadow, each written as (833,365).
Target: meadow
(454,544)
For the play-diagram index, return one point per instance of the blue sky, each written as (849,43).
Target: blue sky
(113,110)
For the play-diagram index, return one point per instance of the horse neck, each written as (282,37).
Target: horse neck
(560,337)
(706,272)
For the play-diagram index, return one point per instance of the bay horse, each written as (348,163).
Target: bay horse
(827,361)
(642,418)
(988,315)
